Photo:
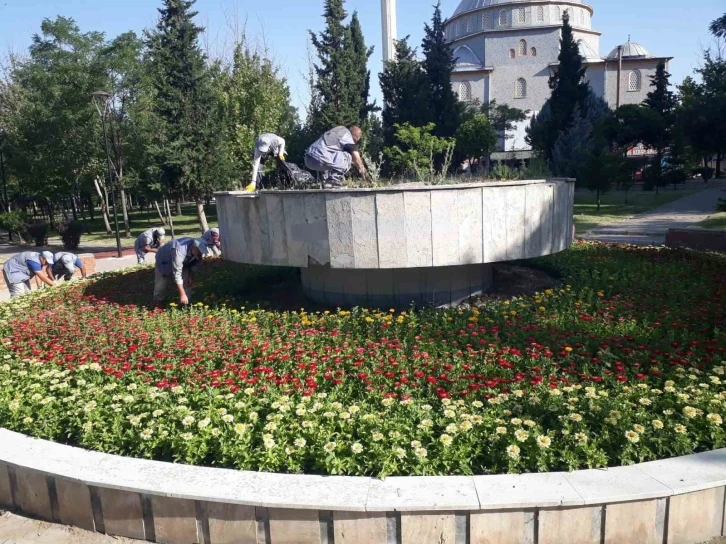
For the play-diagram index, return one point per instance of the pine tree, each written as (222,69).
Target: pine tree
(360,81)
(444,109)
(569,89)
(662,101)
(186,142)
(337,104)
(718,27)
(405,91)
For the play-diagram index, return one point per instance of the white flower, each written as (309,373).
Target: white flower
(690,412)
(241,428)
(204,423)
(187,436)
(632,436)
(134,420)
(188,421)
(426,424)
(300,442)
(330,447)
(521,435)
(421,453)
(157,413)
(146,434)
(575,417)
(645,401)
(399,452)
(715,419)
(415,444)
(501,430)
(344,415)
(657,424)
(356,448)
(513,452)
(268,441)
(680,429)
(28,420)
(581,438)
(377,437)
(446,440)
(544,442)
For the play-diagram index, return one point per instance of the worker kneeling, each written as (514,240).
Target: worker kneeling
(19,269)
(333,154)
(175,261)
(65,264)
(148,242)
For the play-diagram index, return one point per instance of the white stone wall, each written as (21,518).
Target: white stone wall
(398,228)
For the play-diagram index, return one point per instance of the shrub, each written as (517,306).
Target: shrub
(13,222)
(706,172)
(71,234)
(38,232)
(418,150)
(503,172)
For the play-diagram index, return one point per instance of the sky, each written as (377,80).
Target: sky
(677,28)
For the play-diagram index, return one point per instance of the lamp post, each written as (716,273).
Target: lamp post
(102,101)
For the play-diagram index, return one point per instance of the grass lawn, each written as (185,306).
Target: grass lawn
(184,225)
(614,208)
(716,222)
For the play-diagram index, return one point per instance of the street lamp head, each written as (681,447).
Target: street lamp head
(101,100)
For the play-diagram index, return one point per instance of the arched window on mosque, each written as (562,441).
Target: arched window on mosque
(521,16)
(470,24)
(520,88)
(558,13)
(512,54)
(503,17)
(522,48)
(485,22)
(540,14)
(465,91)
(533,51)
(634,80)
(460,28)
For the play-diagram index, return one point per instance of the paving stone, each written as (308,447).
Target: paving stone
(360,527)
(32,496)
(695,517)
(122,513)
(557,526)
(231,523)
(502,527)
(294,526)
(633,522)
(175,520)
(434,527)
(74,504)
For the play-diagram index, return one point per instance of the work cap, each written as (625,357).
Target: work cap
(201,243)
(48,256)
(69,263)
(161,232)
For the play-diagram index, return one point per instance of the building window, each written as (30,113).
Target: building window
(485,21)
(634,80)
(520,88)
(521,16)
(540,14)
(558,14)
(522,48)
(465,91)
(568,13)
(503,17)
(470,24)
(512,54)
(533,51)
(460,28)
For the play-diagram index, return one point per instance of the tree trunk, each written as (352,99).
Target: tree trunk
(598,199)
(73,208)
(104,205)
(91,210)
(178,207)
(161,216)
(202,216)
(124,208)
(718,165)
(171,221)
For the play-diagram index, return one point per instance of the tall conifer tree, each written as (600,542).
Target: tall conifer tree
(360,77)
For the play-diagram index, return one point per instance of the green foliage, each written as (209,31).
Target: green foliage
(601,169)
(503,172)
(13,221)
(444,109)
(718,27)
(255,98)
(405,91)
(721,206)
(417,151)
(38,232)
(71,232)
(662,102)
(569,90)
(537,169)
(476,137)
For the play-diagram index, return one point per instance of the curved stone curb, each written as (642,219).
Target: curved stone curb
(678,500)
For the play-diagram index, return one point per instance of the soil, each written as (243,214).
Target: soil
(515,281)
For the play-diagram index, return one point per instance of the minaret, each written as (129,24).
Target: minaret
(388,20)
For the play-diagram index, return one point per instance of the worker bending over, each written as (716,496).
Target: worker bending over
(267,146)
(148,242)
(175,261)
(65,264)
(20,268)
(214,243)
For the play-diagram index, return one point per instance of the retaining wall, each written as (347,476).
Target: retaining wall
(704,240)
(675,501)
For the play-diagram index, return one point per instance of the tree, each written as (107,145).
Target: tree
(444,109)
(342,81)
(718,27)
(405,91)
(600,169)
(255,98)
(569,89)
(476,138)
(661,101)
(502,117)
(187,142)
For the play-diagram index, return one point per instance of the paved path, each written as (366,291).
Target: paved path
(18,530)
(651,227)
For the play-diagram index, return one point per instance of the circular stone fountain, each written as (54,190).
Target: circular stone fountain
(398,246)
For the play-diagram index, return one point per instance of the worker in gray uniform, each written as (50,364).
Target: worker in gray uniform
(65,264)
(148,241)
(268,145)
(214,242)
(333,154)
(174,261)
(19,269)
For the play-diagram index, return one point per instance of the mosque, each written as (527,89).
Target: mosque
(505,51)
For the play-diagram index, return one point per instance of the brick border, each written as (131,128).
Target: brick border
(678,500)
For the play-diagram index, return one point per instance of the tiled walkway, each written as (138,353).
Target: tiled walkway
(18,530)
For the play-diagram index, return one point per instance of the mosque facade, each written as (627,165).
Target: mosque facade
(506,50)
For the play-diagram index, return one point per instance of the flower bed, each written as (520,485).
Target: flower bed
(624,363)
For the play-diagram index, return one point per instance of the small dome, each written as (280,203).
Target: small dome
(631,50)
(586,51)
(468,5)
(466,59)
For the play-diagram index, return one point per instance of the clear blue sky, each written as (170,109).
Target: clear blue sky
(675,28)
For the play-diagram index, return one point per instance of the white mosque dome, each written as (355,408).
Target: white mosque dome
(469,5)
(586,51)
(631,50)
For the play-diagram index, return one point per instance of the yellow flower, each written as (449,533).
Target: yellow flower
(521,435)
(657,424)
(680,429)
(513,452)
(715,419)
(544,442)
(632,436)
(446,440)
